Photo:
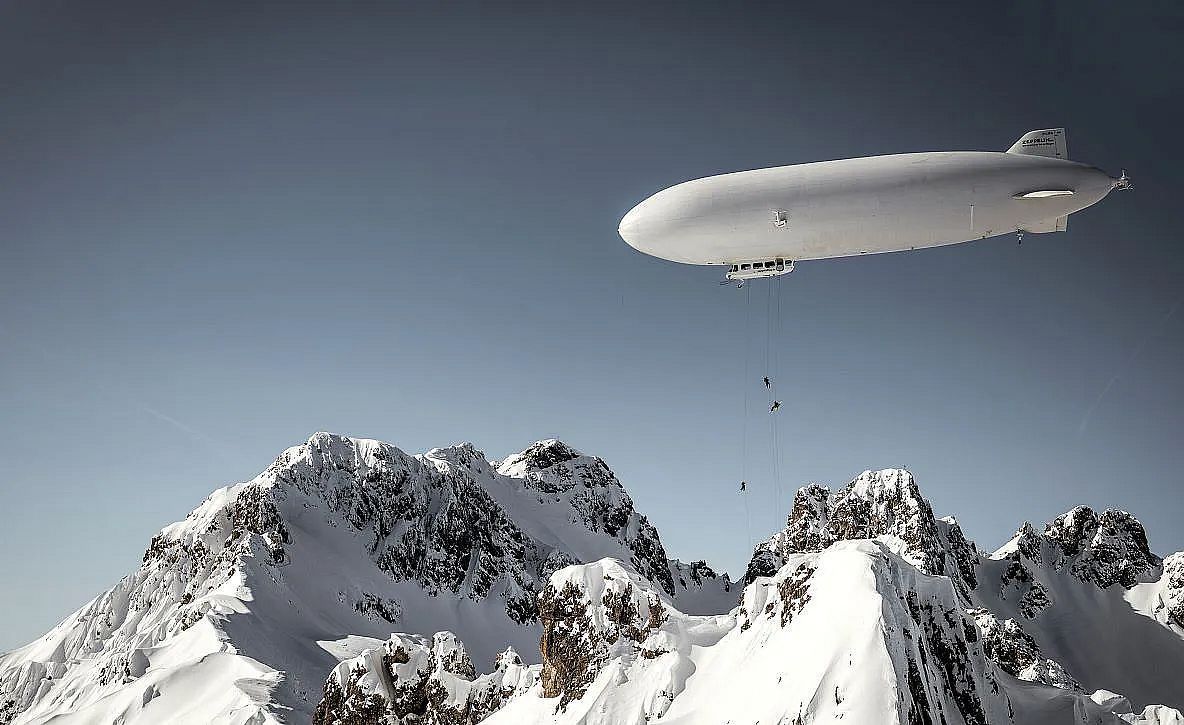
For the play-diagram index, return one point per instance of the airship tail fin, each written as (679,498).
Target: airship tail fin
(1048,142)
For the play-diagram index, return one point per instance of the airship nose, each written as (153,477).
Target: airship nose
(630,227)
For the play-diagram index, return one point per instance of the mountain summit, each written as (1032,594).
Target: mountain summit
(351,583)
(238,613)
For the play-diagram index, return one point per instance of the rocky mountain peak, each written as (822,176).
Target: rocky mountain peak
(1073,529)
(538,456)
(807,525)
(886,505)
(461,455)
(1105,549)
(307,568)
(325,450)
(1028,543)
(451,521)
(350,535)
(1110,548)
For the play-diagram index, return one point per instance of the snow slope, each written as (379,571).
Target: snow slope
(779,657)
(852,634)
(1085,590)
(275,601)
(866,609)
(238,612)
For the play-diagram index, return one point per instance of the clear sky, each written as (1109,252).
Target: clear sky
(223,228)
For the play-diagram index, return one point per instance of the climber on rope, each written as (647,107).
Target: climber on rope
(776,404)
(768,383)
(743,486)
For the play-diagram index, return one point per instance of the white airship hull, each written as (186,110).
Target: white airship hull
(861,206)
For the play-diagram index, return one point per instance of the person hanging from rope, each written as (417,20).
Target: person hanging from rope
(768,383)
(743,486)
(776,404)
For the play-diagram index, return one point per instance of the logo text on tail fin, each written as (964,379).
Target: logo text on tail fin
(1050,142)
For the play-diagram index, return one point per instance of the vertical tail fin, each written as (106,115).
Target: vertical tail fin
(1049,142)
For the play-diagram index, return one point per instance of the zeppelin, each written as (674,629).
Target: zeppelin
(758,223)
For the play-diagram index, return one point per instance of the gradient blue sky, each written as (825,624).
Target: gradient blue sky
(224,227)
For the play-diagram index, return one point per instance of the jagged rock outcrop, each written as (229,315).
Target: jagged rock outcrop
(696,575)
(1168,605)
(1017,582)
(588,611)
(593,492)
(884,505)
(409,679)
(1105,549)
(1007,644)
(1101,550)
(448,520)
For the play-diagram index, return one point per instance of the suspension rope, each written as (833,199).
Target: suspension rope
(744,424)
(768,331)
(747,355)
(776,369)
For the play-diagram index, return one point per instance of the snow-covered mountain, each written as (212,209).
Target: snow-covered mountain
(865,609)
(352,583)
(238,612)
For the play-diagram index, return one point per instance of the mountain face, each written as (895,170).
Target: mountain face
(1095,599)
(351,583)
(878,504)
(238,612)
(866,608)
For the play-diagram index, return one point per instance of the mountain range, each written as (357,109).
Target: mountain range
(351,583)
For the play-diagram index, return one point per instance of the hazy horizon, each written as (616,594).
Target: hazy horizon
(228,226)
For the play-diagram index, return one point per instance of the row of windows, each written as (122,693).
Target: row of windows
(771,264)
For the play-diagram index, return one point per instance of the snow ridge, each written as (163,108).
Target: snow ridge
(253,592)
(868,608)
(275,600)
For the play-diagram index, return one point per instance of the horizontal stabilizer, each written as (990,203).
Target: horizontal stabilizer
(1050,142)
(1059,224)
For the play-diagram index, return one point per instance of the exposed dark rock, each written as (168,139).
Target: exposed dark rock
(795,592)
(572,649)
(409,681)
(877,504)
(1016,653)
(941,644)
(1106,550)
(577,631)
(343,704)
(1172,598)
(8,711)
(1017,583)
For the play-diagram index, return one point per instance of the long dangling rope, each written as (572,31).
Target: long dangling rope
(744,424)
(776,370)
(771,325)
